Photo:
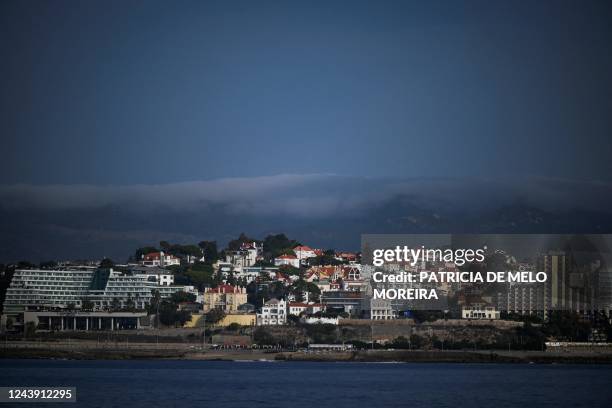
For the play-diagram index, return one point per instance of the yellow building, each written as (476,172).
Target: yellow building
(224,297)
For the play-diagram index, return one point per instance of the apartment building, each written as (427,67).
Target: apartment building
(273,312)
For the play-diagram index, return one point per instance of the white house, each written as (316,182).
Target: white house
(380,309)
(252,273)
(323,285)
(223,267)
(479,312)
(248,254)
(159,259)
(303,252)
(296,308)
(291,298)
(162,277)
(240,258)
(290,260)
(255,250)
(316,307)
(273,312)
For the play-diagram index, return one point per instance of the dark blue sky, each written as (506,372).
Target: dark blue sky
(125,92)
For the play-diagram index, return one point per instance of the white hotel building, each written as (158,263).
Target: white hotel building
(37,292)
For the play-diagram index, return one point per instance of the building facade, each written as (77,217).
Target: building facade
(224,297)
(478,312)
(290,260)
(303,252)
(381,309)
(349,301)
(61,290)
(160,259)
(273,312)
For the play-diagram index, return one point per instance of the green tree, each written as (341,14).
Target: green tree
(314,291)
(291,270)
(182,297)
(277,290)
(48,265)
(130,305)
(185,250)
(262,336)
(427,315)
(275,245)
(182,317)
(155,301)
(202,275)
(400,342)
(143,251)
(30,329)
(25,265)
(328,258)
(262,263)
(416,341)
(214,316)
(107,263)
(6,275)
(167,313)
(209,248)
(87,304)
(115,305)
(234,327)
(231,279)
(567,325)
(235,244)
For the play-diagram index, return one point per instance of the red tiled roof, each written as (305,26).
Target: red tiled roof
(248,245)
(157,255)
(303,248)
(152,255)
(225,289)
(286,256)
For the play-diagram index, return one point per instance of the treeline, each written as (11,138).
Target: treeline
(207,249)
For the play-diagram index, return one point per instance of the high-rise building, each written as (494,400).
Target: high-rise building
(574,281)
(555,265)
(523,298)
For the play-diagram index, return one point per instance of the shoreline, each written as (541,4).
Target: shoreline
(361,356)
(455,356)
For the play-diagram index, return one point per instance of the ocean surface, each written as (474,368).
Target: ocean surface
(129,384)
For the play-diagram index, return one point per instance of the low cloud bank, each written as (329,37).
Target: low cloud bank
(78,221)
(310,195)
